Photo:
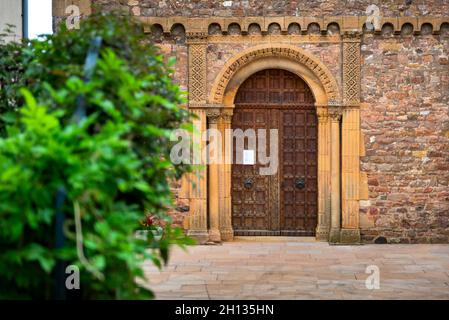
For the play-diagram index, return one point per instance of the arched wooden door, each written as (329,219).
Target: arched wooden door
(284,203)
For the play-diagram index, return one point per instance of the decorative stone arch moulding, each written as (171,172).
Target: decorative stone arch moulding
(328,97)
(290,52)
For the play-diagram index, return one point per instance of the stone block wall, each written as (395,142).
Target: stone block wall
(241,8)
(404,111)
(405,123)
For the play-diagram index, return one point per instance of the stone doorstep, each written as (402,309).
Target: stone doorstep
(259,239)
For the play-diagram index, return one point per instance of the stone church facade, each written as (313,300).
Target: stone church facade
(363,114)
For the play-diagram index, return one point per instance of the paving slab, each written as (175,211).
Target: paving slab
(300,268)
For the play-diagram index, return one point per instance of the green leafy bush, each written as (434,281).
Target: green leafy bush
(12,60)
(114,163)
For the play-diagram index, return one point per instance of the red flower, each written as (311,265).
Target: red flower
(149,221)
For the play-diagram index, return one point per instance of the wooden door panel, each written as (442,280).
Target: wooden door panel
(274,205)
(251,206)
(298,161)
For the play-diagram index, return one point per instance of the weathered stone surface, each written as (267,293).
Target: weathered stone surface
(301,269)
(404,77)
(404,119)
(239,8)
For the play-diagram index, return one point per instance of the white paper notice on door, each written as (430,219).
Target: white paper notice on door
(248,157)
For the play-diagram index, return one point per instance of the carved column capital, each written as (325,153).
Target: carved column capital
(352,36)
(197,37)
(335,114)
(213,115)
(226,115)
(323,114)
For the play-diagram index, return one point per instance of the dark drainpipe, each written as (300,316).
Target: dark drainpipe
(25,19)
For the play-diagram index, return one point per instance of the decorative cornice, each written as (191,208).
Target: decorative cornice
(289,39)
(194,105)
(345,23)
(205,106)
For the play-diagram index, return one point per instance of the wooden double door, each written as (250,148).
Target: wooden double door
(285,202)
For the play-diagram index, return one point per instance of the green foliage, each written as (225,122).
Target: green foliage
(113,164)
(12,59)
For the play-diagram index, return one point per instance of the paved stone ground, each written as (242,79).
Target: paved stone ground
(300,268)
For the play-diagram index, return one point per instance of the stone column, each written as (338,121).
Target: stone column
(197,222)
(226,230)
(324,167)
(213,117)
(350,232)
(335,116)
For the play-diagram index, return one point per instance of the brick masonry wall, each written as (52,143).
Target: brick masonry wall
(404,109)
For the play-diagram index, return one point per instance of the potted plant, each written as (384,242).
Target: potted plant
(152,224)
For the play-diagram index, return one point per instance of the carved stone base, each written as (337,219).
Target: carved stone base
(322,233)
(350,236)
(201,236)
(214,235)
(334,236)
(227,235)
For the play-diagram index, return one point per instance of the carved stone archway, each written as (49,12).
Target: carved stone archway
(282,52)
(337,164)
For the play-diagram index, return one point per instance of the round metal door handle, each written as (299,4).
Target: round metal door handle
(300,183)
(248,184)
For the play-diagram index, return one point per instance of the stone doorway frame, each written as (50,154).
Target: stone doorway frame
(210,217)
